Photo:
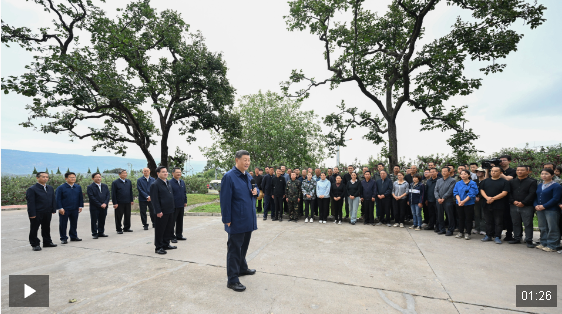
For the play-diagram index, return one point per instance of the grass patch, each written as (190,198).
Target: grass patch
(209,208)
(193,199)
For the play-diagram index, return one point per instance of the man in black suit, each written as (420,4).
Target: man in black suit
(41,205)
(180,202)
(162,198)
(122,198)
(98,194)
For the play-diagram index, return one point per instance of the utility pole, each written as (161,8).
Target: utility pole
(338,153)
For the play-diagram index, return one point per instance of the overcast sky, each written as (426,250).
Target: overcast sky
(520,105)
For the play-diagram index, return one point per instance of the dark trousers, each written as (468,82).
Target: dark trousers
(278,206)
(142,209)
(258,207)
(346,207)
(425,213)
(71,215)
(332,207)
(178,221)
(400,210)
(163,230)
(285,206)
(315,205)
(383,209)
(237,246)
(431,214)
(338,209)
(268,206)
(368,211)
(97,220)
(466,216)
(43,220)
(447,208)
(123,210)
(323,207)
(522,215)
(301,204)
(507,223)
(308,210)
(494,222)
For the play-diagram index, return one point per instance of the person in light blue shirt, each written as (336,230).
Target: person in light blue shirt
(323,196)
(465,192)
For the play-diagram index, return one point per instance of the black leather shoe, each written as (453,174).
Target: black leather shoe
(181,239)
(36,248)
(247,272)
(145,227)
(264,218)
(63,241)
(95,236)
(448,234)
(428,228)
(75,239)
(514,241)
(238,287)
(103,235)
(440,232)
(531,245)
(119,232)
(49,245)
(160,251)
(170,247)
(129,230)
(174,241)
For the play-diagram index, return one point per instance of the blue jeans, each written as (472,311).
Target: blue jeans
(353,205)
(548,225)
(416,213)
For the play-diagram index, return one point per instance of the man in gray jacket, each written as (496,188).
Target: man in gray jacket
(445,202)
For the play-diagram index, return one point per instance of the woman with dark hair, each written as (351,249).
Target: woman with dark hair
(353,192)
(416,199)
(400,194)
(337,191)
(323,196)
(465,192)
(548,212)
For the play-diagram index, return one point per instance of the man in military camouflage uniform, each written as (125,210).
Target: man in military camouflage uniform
(293,194)
(394,176)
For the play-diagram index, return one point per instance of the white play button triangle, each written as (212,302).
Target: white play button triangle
(27,291)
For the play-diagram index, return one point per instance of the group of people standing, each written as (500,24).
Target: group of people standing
(164,199)
(468,199)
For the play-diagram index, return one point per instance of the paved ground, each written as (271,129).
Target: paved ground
(302,268)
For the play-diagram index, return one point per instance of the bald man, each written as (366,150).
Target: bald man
(143,185)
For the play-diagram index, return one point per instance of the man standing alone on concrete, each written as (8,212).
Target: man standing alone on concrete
(70,202)
(98,194)
(238,198)
(180,201)
(162,197)
(122,198)
(143,186)
(41,204)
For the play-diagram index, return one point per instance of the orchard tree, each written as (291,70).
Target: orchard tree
(382,55)
(273,130)
(120,72)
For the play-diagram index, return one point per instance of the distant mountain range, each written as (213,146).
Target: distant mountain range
(22,162)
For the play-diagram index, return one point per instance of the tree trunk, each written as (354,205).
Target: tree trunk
(392,144)
(164,147)
(150,163)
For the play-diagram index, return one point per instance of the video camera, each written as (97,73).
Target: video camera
(487,164)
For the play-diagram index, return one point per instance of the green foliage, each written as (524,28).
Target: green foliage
(98,169)
(89,170)
(34,171)
(58,171)
(382,55)
(273,130)
(196,185)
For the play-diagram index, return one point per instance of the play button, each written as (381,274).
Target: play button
(29,291)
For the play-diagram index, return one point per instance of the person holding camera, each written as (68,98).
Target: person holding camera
(494,191)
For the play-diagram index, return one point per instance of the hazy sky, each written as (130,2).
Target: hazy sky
(520,105)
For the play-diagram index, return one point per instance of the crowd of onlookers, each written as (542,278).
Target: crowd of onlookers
(467,200)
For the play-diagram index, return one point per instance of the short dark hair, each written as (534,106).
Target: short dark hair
(351,166)
(508,157)
(279,168)
(417,176)
(383,171)
(160,168)
(474,163)
(95,174)
(548,170)
(435,169)
(296,168)
(430,162)
(120,171)
(559,168)
(467,172)
(68,174)
(41,172)
(176,168)
(523,166)
(528,167)
(445,167)
(549,163)
(367,172)
(396,166)
(329,169)
(241,153)
(380,164)
(424,170)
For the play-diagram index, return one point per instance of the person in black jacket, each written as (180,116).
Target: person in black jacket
(98,194)
(267,189)
(278,191)
(162,198)
(383,198)
(337,192)
(122,198)
(521,198)
(41,205)
(259,178)
(180,202)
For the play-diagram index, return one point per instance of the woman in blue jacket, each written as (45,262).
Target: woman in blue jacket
(323,196)
(416,199)
(548,212)
(465,192)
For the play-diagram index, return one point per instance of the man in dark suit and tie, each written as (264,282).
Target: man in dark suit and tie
(41,205)
(180,201)
(238,209)
(70,202)
(143,186)
(122,198)
(98,194)
(162,198)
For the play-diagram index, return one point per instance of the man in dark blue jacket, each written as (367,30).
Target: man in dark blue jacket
(70,202)
(122,198)
(238,199)
(368,198)
(383,197)
(180,201)
(431,200)
(162,198)
(143,186)
(41,204)
(98,194)
(267,189)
